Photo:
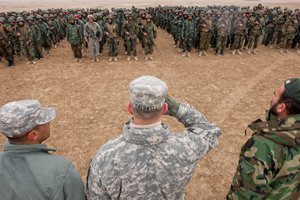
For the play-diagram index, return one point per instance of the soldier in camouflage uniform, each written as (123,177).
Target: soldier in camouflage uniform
(254,32)
(75,38)
(269,28)
(5,45)
(26,40)
(36,37)
(149,36)
(13,38)
(148,161)
(130,30)
(178,24)
(205,34)
(239,36)
(289,32)
(188,34)
(45,34)
(278,34)
(93,35)
(269,166)
(111,31)
(223,29)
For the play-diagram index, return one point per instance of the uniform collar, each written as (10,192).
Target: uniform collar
(145,136)
(25,148)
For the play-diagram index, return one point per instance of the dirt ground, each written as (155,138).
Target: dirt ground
(91,98)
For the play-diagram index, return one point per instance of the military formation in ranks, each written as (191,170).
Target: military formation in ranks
(28,35)
(232,27)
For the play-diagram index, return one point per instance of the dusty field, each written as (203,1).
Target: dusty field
(91,98)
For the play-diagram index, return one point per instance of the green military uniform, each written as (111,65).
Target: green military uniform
(75,37)
(188,34)
(26,40)
(36,38)
(289,33)
(269,164)
(205,35)
(45,34)
(255,31)
(222,35)
(278,34)
(149,37)
(131,30)
(13,38)
(5,46)
(111,29)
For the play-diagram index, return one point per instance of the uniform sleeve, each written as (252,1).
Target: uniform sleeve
(94,189)
(199,129)
(255,170)
(73,187)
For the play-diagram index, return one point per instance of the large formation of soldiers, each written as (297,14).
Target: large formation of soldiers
(28,35)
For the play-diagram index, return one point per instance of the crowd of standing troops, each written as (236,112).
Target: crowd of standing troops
(236,28)
(28,35)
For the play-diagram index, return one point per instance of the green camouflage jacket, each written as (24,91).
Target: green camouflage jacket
(269,165)
(74,34)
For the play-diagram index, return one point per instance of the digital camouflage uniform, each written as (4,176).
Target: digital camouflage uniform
(93,33)
(75,37)
(151,162)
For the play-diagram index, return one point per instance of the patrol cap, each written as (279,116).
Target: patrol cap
(292,88)
(20,117)
(148,93)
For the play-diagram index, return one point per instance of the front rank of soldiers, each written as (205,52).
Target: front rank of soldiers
(91,32)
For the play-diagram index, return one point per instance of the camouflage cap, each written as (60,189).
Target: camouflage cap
(292,88)
(148,93)
(19,117)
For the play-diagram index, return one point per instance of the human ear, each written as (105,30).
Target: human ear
(281,109)
(129,108)
(32,135)
(164,109)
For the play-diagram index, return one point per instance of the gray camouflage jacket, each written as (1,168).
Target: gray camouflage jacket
(30,172)
(151,163)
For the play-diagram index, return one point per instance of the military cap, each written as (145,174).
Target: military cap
(147,93)
(292,88)
(46,15)
(20,19)
(294,13)
(90,17)
(20,117)
(39,17)
(148,16)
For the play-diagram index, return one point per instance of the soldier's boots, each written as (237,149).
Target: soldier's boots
(200,53)
(150,57)
(189,55)
(146,58)
(222,53)
(11,63)
(238,52)
(298,51)
(254,51)
(110,59)
(128,58)
(30,62)
(184,54)
(115,59)
(76,60)
(204,53)
(234,52)
(136,58)
(79,60)
(217,52)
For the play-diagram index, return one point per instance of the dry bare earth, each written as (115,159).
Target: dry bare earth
(91,98)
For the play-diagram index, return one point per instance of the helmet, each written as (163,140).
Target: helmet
(46,16)
(11,20)
(20,19)
(148,16)
(39,17)
(29,18)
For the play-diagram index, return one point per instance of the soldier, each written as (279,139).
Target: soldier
(5,45)
(75,38)
(63,23)
(269,165)
(255,31)
(130,30)
(205,34)
(92,35)
(179,21)
(36,37)
(289,32)
(188,34)
(13,37)
(223,29)
(45,34)
(36,173)
(149,36)
(269,28)
(111,31)
(26,40)
(278,35)
(239,36)
(147,160)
